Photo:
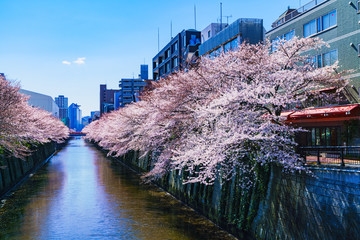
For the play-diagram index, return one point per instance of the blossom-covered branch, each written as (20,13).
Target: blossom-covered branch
(21,125)
(213,119)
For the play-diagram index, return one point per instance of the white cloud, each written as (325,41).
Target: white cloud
(66,62)
(80,60)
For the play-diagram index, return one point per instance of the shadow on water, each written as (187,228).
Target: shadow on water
(81,194)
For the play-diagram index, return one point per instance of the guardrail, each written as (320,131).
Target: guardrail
(349,155)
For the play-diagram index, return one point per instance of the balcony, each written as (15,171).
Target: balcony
(296,12)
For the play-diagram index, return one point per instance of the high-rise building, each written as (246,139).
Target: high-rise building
(62,102)
(42,101)
(176,55)
(75,117)
(107,99)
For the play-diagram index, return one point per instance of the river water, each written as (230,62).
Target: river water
(80,194)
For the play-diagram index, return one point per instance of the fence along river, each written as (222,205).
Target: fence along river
(80,194)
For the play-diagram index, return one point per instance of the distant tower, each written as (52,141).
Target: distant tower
(144,71)
(75,117)
(62,102)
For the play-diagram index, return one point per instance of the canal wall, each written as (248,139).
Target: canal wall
(325,205)
(15,170)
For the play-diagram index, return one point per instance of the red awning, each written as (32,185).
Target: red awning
(323,112)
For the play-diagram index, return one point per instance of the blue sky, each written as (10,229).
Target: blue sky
(70,47)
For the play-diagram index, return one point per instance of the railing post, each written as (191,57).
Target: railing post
(318,156)
(342,157)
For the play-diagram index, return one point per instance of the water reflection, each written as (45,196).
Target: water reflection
(80,194)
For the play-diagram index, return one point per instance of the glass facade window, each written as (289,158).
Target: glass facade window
(320,24)
(175,62)
(167,67)
(290,35)
(325,59)
(167,53)
(332,18)
(310,28)
(330,58)
(184,41)
(274,44)
(174,47)
(227,47)
(234,43)
(323,136)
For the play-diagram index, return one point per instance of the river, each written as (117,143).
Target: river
(81,194)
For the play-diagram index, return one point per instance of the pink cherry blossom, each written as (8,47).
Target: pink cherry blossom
(223,115)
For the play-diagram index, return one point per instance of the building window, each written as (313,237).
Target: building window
(167,67)
(175,62)
(358,50)
(167,53)
(184,40)
(174,47)
(290,35)
(234,43)
(325,59)
(209,34)
(323,136)
(227,47)
(274,44)
(358,6)
(320,24)
(310,28)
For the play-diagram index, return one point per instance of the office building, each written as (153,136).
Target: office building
(95,115)
(175,56)
(42,101)
(107,99)
(75,117)
(130,88)
(63,105)
(250,30)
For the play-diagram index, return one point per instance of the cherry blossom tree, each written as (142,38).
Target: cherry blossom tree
(22,126)
(222,114)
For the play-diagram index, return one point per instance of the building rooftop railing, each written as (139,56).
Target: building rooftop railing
(297,12)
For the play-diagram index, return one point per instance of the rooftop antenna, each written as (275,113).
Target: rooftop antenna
(227,19)
(195,15)
(158,39)
(220,16)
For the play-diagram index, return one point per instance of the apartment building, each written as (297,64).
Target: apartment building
(337,22)
(176,54)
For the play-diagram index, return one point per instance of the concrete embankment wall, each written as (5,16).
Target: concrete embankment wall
(280,206)
(14,170)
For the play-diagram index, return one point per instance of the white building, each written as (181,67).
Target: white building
(42,101)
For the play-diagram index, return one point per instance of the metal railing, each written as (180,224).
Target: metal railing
(333,155)
(296,12)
